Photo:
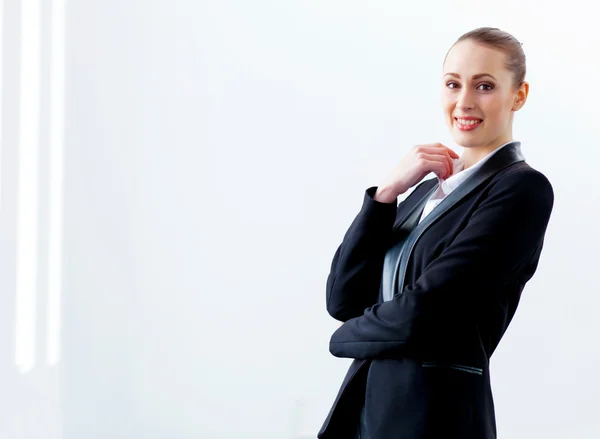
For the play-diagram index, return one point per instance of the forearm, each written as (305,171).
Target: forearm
(355,275)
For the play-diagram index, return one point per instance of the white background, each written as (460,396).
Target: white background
(214,155)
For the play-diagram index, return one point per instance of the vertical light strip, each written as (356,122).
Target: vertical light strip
(57,123)
(1,94)
(27,192)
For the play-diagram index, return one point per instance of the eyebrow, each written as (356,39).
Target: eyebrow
(477,76)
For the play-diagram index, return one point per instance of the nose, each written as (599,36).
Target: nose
(465,100)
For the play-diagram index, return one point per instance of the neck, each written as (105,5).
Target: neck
(472,155)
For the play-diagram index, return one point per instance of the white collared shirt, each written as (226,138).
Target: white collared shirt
(446,187)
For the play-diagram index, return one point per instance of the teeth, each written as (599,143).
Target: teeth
(468,122)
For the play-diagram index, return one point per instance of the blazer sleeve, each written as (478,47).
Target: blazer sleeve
(355,276)
(499,241)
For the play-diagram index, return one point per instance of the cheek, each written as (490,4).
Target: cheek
(496,109)
(448,101)
(448,107)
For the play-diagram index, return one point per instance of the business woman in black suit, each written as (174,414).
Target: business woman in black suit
(425,299)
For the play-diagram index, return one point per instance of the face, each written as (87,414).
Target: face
(479,97)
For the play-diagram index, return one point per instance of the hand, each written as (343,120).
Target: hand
(420,161)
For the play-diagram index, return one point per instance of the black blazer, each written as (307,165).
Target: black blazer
(421,365)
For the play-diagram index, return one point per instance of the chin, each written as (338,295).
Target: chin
(466,141)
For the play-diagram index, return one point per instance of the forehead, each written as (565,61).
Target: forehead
(468,58)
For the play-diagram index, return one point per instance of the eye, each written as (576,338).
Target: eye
(490,87)
(451,84)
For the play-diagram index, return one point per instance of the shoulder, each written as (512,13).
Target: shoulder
(522,182)
(521,176)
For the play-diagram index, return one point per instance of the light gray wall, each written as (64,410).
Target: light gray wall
(216,153)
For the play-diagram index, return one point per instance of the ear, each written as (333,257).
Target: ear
(521,96)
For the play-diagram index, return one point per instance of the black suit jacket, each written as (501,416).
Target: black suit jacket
(421,364)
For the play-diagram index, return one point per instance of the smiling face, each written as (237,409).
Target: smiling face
(479,96)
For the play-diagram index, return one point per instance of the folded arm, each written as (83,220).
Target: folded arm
(499,241)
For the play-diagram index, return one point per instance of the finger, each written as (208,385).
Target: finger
(440,170)
(439,150)
(449,166)
(453,154)
(429,147)
(433,161)
(448,152)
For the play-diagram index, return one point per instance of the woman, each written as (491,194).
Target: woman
(427,289)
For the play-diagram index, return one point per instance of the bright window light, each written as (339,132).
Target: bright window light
(27,191)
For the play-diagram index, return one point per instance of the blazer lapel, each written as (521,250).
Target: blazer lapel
(508,155)
(418,204)
(401,231)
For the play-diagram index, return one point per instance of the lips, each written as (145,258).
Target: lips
(468,124)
